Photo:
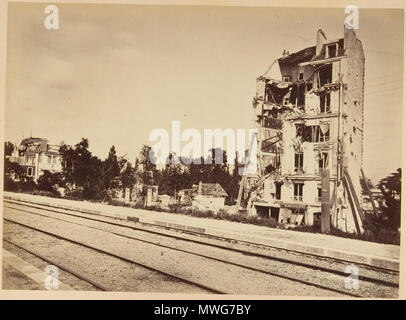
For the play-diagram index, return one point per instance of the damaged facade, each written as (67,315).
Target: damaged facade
(310,136)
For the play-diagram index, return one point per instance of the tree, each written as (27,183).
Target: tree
(235,179)
(147,161)
(68,156)
(83,171)
(364,184)
(111,170)
(391,191)
(8,148)
(196,171)
(94,183)
(49,181)
(173,177)
(128,174)
(14,175)
(218,172)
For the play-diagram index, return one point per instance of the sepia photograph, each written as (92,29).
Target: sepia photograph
(202,150)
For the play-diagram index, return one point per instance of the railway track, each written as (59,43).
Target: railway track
(60,266)
(203,239)
(120,228)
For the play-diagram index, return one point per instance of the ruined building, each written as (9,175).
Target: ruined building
(310,136)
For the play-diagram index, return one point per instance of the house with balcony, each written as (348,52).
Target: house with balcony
(36,155)
(310,135)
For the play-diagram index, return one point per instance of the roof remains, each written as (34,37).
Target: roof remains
(300,56)
(213,189)
(309,54)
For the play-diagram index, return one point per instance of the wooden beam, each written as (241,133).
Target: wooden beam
(325,201)
(240,193)
(369,193)
(361,213)
(353,210)
(322,61)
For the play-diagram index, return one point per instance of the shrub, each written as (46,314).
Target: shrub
(174,207)
(118,203)
(201,214)
(27,185)
(10,184)
(75,193)
(155,208)
(49,181)
(43,193)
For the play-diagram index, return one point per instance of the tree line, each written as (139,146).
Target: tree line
(86,176)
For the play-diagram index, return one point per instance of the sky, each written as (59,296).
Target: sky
(113,73)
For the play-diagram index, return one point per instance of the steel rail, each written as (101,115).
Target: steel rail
(118,256)
(60,266)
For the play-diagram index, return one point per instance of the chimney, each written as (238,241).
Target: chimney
(285,53)
(349,37)
(320,39)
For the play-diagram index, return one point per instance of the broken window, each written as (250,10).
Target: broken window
(298,191)
(30,171)
(324,135)
(300,127)
(332,50)
(274,113)
(298,161)
(268,146)
(275,93)
(273,123)
(308,134)
(325,102)
(323,161)
(287,78)
(297,95)
(301,95)
(315,134)
(300,76)
(325,74)
(286,100)
(278,190)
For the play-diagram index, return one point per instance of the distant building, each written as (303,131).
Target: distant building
(36,155)
(204,196)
